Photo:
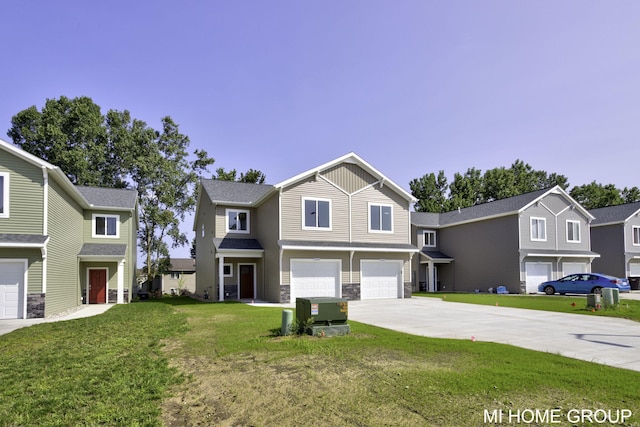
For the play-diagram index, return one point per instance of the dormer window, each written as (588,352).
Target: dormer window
(237,221)
(430,238)
(107,226)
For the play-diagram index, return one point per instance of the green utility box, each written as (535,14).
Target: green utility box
(323,316)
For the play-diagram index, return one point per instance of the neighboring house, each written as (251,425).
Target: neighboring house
(180,277)
(518,242)
(57,239)
(340,229)
(615,235)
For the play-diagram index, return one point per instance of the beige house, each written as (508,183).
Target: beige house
(341,229)
(179,279)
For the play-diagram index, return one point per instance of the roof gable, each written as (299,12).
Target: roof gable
(235,193)
(118,198)
(615,214)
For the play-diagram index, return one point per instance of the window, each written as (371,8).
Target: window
(636,235)
(430,238)
(237,221)
(380,218)
(175,275)
(538,229)
(573,231)
(4,195)
(106,226)
(317,214)
(227,270)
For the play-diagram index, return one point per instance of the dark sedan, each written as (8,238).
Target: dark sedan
(584,283)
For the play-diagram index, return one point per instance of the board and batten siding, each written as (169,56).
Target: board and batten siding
(65,241)
(350,177)
(26,196)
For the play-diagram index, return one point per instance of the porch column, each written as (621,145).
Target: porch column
(120,274)
(221,278)
(431,277)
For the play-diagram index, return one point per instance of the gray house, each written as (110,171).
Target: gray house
(518,242)
(615,235)
(340,229)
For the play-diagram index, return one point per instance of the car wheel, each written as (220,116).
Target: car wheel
(597,290)
(549,290)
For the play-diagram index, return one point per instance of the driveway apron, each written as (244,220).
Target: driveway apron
(604,340)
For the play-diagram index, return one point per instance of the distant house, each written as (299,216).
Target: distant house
(517,242)
(340,229)
(615,235)
(179,278)
(61,245)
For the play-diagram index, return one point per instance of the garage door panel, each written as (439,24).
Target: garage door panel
(11,288)
(634,269)
(311,278)
(536,273)
(380,279)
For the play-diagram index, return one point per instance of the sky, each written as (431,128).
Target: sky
(412,87)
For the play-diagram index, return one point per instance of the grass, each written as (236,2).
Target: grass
(628,309)
(178,362)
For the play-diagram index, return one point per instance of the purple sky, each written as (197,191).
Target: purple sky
(413,87)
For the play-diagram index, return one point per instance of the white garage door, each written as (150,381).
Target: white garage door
(11,288)
(573,268)
(634,269)
(536,273)
(315,278)
(380,279)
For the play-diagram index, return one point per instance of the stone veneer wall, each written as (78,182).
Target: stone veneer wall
(230,292)
(285,294)
(407,289)
(351,291)
(113,296)
(35,306)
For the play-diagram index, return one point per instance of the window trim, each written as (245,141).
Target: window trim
(635,242)
(304,214)
(238,211)
(569,223)
(424,238)
(224,267)
(5,195)
(544,229)
(381,205)
(105,236)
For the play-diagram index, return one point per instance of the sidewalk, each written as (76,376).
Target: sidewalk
(9,325)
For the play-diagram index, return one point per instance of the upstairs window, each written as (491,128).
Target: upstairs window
(317,214)
(4,195)
(573,231)
(237,221)
(430,238)
(636,235)
(380,218)
(538,229)
(106,226)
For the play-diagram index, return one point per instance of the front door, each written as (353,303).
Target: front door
(246,281)
(97,286)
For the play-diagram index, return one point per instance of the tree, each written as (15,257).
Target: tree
(252,176)
(631,195)
(466,190)
(430,192)
(596,195)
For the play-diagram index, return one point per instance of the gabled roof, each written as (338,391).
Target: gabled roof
(615,214)
(109,197)
(105,250)
(23,240)
(237,244)
(182,264)
(503,207)
(235,193)
(349,158)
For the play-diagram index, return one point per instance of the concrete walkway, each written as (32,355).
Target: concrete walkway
(9,325)
(605,340)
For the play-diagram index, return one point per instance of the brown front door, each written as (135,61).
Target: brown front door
(97,286)
(246,281)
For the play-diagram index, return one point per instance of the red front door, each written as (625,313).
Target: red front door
(97,286)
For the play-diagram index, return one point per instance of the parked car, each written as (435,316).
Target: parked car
(584,283)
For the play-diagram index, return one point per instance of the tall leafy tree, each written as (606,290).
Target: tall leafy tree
(430,190)
(252,176)
(595,195)
(466,190)
(631,195)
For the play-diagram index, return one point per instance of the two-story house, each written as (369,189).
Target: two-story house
(57,240)
(517,242)
(615,235)
(340,229)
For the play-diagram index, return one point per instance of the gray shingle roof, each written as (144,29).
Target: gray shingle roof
(182,264)
(348,245)
(233,192)
(614,214)
(436,255)
(237,244)
(103,249)
(23,239)
(109,197)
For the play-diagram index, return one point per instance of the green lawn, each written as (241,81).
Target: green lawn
(178,362)
(628,309)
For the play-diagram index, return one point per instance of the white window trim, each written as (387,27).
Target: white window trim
(544,221)
(569,224)
(5,194)
(230,270)
(424,238)
(633,235)
(370,204)
(316,228)
(100,236)
(238,211)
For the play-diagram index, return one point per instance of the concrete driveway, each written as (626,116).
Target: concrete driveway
(609,341)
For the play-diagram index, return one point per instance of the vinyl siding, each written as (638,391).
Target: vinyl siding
(65,231)
(360,215)
(221,223)
(608,241)
(289,255)
(349,177)
(628,245)
(205,251)
(34,269)
(26,196)
(267,230)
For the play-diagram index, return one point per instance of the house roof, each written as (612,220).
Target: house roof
(361,246)
(436,255)
(237,244)
(237,193)
(182,264)
(497,208)
(615,214)
(103,250)
(109,197)
(349,158)
(14,240)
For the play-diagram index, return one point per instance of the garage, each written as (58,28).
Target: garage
(11,289)
(573,268)
(380,279)
(634,269)
(536,273)
(315,278)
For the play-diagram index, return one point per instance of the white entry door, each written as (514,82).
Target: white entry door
(11,289)
(536,273)
(380,279)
